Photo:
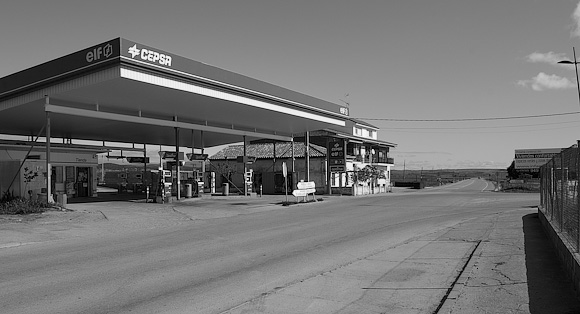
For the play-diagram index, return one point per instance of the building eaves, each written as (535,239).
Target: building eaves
(354,138)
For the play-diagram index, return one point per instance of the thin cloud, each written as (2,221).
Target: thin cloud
(576,17)
(549,57)
(544,81)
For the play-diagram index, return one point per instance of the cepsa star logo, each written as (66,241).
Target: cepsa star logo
(134,51)
(149,55)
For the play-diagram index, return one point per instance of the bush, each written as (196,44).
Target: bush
(19,206)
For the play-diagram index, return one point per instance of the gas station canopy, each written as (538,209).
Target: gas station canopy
(124,91)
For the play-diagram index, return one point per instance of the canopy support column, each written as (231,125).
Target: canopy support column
(192,142)
(49,198)
(328,172)
(202,151)
(294,176)
(245,159)
(307,154)
(143,179)
(177,166)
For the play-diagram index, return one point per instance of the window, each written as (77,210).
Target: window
(352,149)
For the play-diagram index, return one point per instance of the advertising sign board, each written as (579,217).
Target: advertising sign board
(532,159)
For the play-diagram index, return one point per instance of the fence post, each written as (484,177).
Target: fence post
(561,192)
(542,186)
(577,171)
(553,191)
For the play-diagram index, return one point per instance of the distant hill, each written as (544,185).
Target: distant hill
(489,174)
(447,175)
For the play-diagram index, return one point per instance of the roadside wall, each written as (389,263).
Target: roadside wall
(565,251)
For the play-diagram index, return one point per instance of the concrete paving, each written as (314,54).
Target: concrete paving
(514,269)
(501,263)
(111,213)
(107,215)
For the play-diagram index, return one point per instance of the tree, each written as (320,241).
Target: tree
(512,172)
(367,174)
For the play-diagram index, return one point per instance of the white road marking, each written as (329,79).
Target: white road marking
(486,185)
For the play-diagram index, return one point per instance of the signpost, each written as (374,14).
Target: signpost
(305,188)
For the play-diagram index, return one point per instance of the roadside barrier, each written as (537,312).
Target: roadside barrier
(559,194)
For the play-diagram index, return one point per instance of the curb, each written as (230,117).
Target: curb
(459,286)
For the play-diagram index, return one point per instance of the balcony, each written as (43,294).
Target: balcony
(375,159)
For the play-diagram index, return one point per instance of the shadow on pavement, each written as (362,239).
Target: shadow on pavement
(549,290)
(108,197)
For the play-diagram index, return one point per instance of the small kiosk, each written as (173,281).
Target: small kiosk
(23,169)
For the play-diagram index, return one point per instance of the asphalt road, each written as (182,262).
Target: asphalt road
(328,257)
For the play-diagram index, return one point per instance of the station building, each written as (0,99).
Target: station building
(126,92)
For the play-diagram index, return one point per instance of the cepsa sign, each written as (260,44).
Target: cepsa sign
(336,157)
(149,55)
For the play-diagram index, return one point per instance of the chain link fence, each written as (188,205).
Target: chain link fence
(559,194)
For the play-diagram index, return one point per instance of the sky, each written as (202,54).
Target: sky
(391,61)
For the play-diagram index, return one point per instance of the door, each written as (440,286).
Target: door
(83,180)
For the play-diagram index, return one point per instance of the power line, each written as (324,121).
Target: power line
(472,119)
(425,131)
(478,127)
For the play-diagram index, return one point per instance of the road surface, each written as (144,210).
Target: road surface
(383,253)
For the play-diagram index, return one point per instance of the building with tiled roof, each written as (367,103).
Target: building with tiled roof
(355,149)
(266,165)
(269,150)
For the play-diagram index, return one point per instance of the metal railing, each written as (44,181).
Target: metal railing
(559,194)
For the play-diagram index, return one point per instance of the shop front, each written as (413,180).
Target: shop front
(23,173)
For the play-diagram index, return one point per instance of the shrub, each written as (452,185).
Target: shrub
(7,196)
(19,206)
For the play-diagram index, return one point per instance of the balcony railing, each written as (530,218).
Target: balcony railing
(373,160)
